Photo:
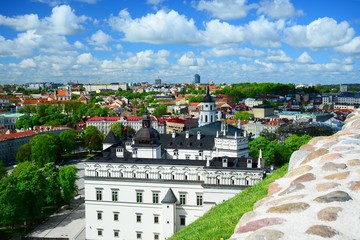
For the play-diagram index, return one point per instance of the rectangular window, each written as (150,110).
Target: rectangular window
(100,232)
(182,221)
(114,195)
(155,197)
(139,197)
(182,199)
(156,236)
(199,200)
(138,235)
(99,195)
(99,215)
(116,216)
(116,233)
(156,219)
(187,157)
(138,218)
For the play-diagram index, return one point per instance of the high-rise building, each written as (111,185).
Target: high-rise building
(196,78)
(158,81)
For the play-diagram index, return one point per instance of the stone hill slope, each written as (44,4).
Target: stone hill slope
(319,197)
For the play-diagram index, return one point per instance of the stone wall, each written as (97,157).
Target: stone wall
(318,198)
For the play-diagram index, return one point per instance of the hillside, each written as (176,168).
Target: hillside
(221,220)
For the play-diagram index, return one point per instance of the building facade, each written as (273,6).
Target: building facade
(9,120)
(104,123)
(155,184)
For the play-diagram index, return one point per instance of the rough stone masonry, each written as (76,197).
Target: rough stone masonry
(319,197)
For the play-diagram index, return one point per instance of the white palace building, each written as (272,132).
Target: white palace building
(154,184)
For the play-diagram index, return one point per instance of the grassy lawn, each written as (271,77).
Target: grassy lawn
(220,221)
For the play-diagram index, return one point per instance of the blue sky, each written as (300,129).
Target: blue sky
(225,41)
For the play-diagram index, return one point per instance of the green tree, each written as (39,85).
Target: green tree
(3,171)
(160,110)
(67,179)
(24,153)
(11,207)
(68,140)
(257,144)
(294,142)
(93,138)
(119,130)
(45,148)
(29,186)
(242,115)
(52,189)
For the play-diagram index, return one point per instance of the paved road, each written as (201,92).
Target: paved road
(66,223)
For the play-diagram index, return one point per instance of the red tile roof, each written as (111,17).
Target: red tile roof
(27,133)
(61,93)
(175,120)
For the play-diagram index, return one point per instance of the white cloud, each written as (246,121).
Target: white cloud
(58,2)
(27,63)
(222,33)
(321,33)
(144,60)
(264,33)
(225,9)
(232,51)
(305,58)
(147,60)
(63,21)
(51,2)
(88,1)
(350,48)
(189,59)
(278,56)
(100,40)
(162,27)
(84,58)
(21,23)
(79,45)
(348,60)
(278,9)
(154,2)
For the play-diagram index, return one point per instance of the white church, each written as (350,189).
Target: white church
(154,184)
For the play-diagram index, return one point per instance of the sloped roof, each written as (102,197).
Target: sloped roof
(169,197)
(212,128)
(111,138)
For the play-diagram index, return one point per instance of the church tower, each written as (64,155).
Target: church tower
(207,110)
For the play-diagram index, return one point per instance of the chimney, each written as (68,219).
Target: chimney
(173,135)
(198,135)
(187,134)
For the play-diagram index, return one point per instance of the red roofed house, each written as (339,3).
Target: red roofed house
(63,94)
(10,143)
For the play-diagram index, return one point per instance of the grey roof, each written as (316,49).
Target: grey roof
(211,129)
(169,197)
(111,138)
(181,142)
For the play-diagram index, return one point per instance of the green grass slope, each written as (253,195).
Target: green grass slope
(220,221)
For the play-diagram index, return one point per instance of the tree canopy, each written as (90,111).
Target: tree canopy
(93,138)
(45,148)
(29,189)
(68,139)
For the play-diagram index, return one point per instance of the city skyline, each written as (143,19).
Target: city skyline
(101,41)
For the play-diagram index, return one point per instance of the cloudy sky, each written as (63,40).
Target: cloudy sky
(104,41)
